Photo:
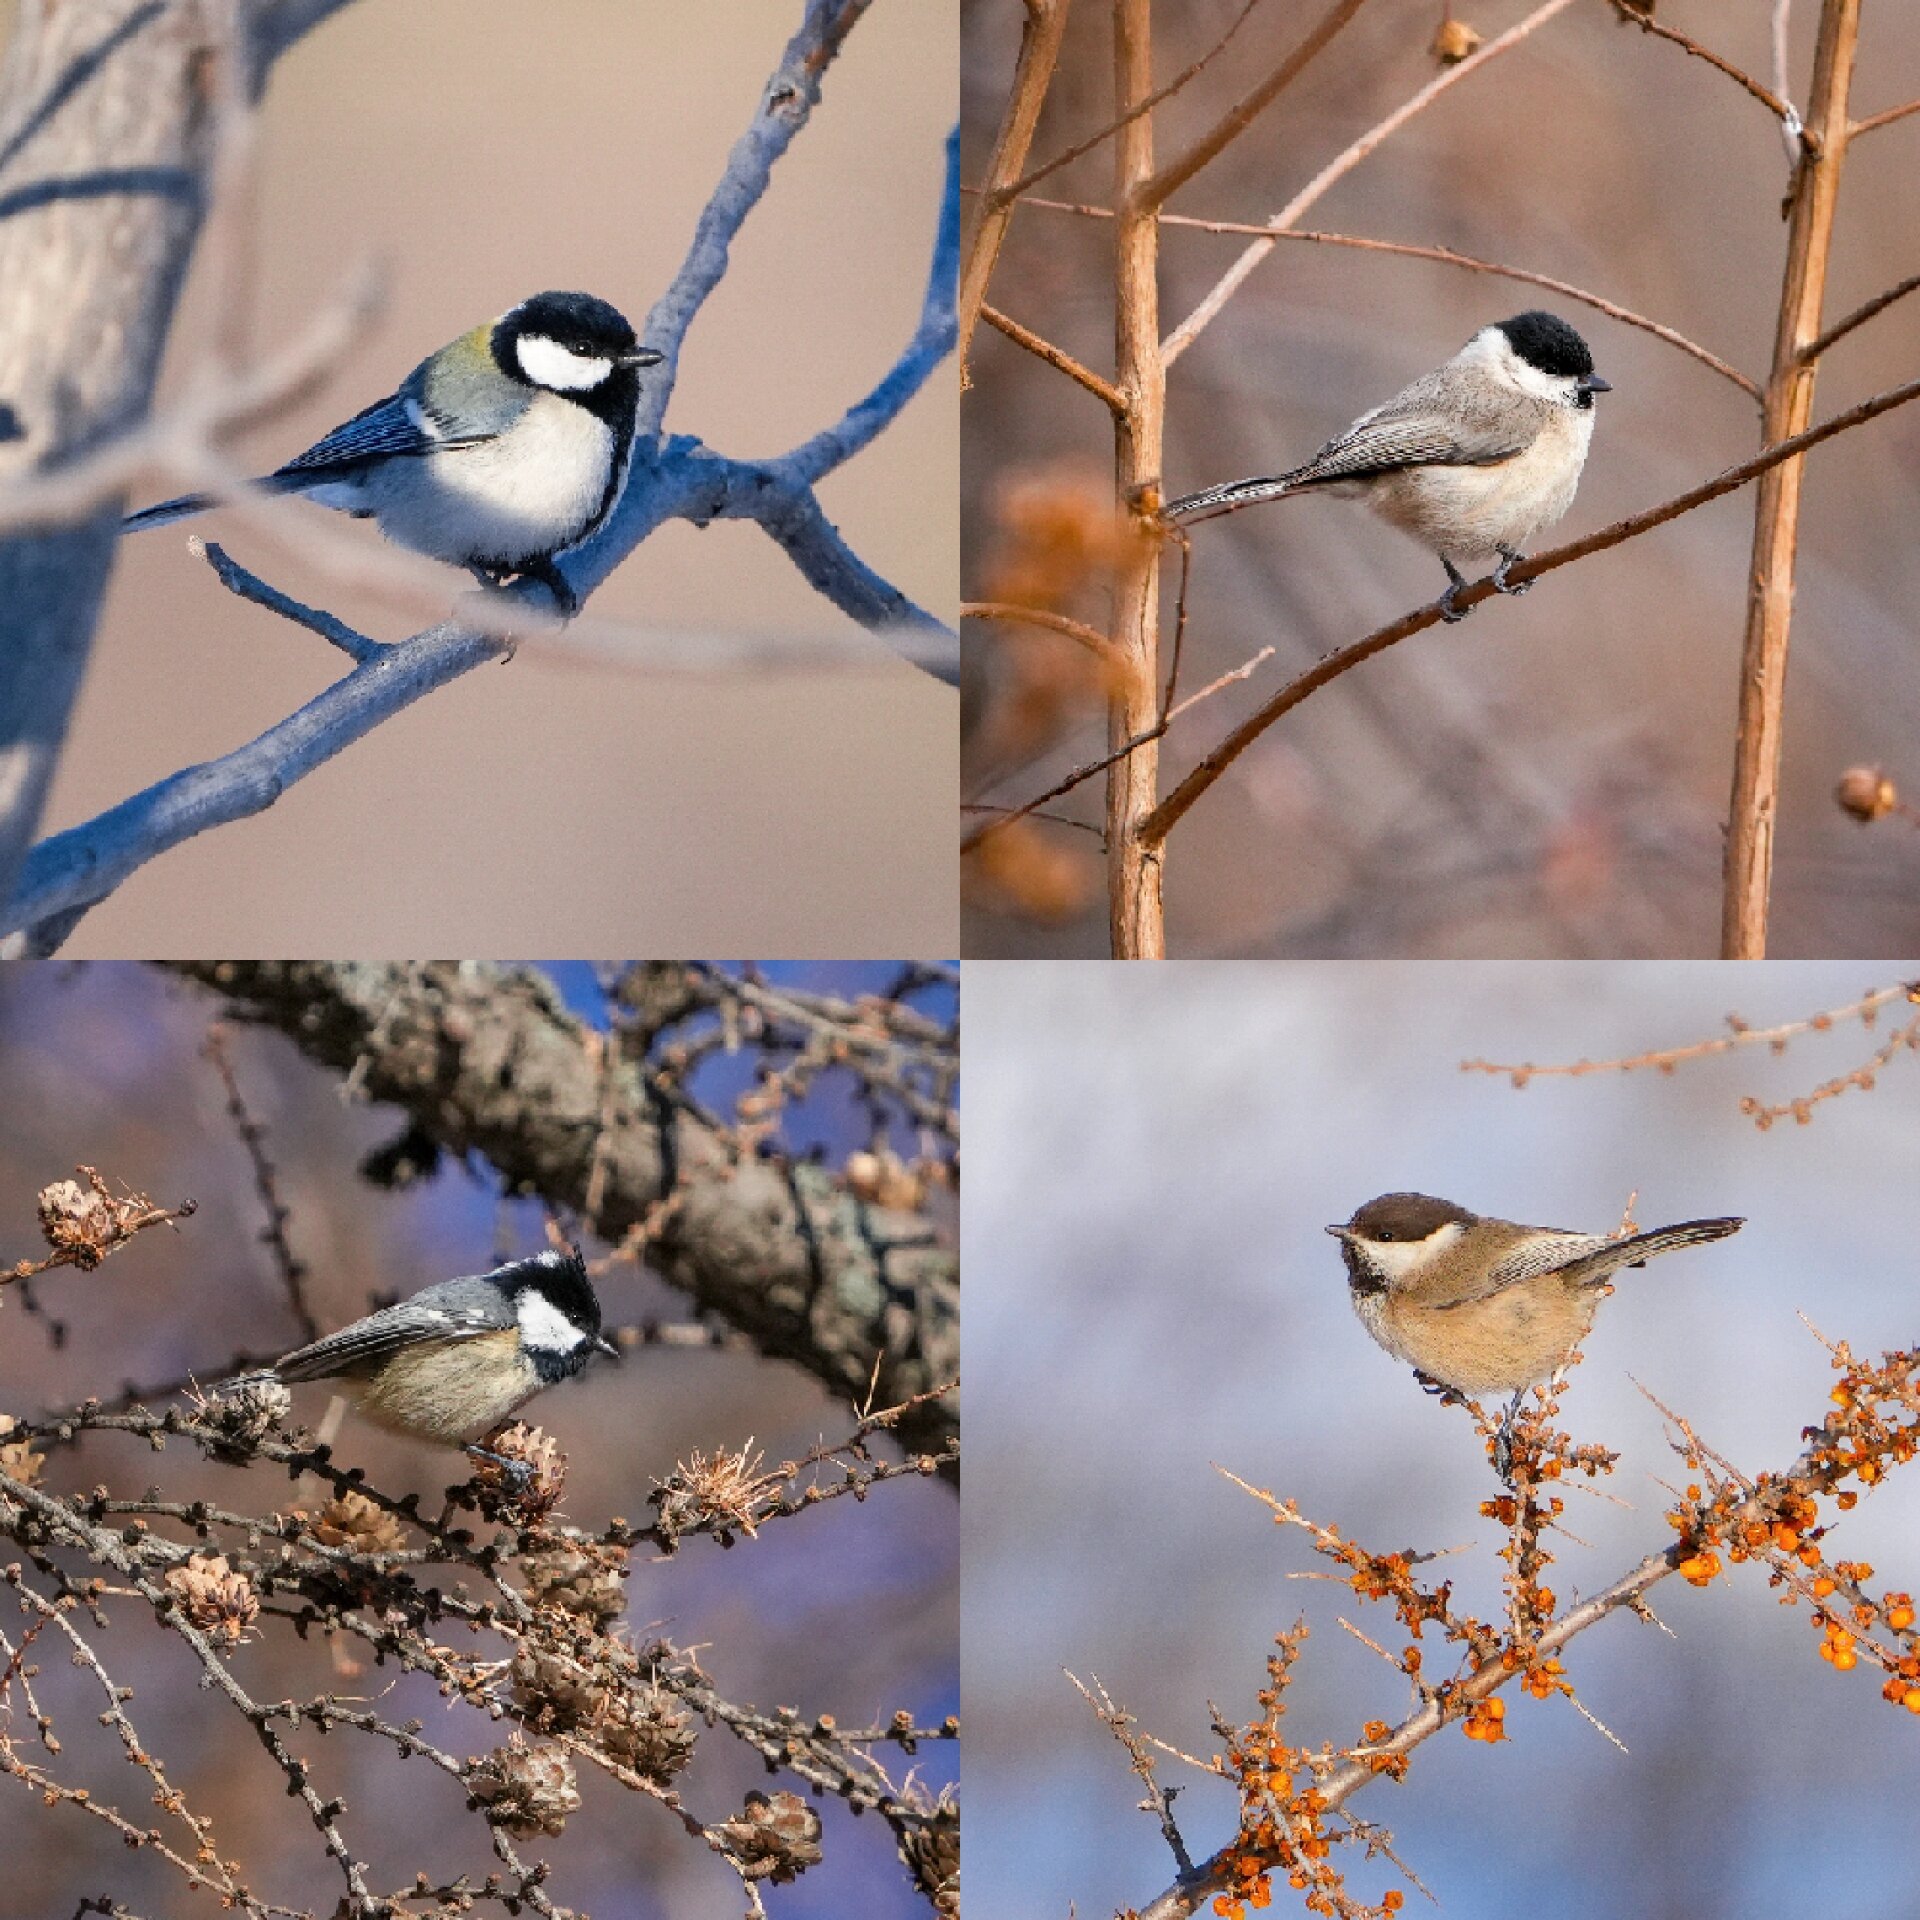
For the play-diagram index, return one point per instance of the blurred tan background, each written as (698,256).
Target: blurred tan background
(482,151)
(1549,778)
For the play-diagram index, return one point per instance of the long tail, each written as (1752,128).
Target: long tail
(1224,499)
(1641,1247)
(167,512)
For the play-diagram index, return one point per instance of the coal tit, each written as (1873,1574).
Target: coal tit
(451,1362)
(495,453)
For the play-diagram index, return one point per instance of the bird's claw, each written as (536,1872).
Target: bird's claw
(1450,611)
(1508,560)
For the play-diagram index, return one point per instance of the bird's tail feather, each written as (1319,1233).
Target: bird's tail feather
(167,512)
(1641,1247)
(1225,498)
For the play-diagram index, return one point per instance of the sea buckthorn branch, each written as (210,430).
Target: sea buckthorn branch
(1288,1794)
(1775,1039)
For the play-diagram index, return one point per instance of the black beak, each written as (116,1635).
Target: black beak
(639,357)
(606,1346)
(1339,1232)
(1592,383)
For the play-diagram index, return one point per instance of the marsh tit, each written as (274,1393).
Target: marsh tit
(452,1361)
(495,453)
(1482,1305)
(1472,460)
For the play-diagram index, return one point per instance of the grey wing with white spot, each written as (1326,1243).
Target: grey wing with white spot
(1449,418)
(1543,1253)
(454,1310)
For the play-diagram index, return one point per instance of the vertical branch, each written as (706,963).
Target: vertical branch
(1133,868)
(1039,49)
(1789,408)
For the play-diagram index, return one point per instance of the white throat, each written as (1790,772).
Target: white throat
(543,1327)
(548,364)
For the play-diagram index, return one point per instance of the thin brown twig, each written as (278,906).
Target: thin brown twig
(1667,1058)
(1017,188)
(1753,807)
(1780,109)
(1155,827)
(1007,816)
(1168,180)
(1183,336)
(1448,257)
(1885,118)
(1042,349)
(1040,38)
(1859,316)
(1090,637)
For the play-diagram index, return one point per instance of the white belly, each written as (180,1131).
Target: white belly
(1468,513)
(503,503)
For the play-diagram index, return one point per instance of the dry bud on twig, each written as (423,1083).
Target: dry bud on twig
(528,1790)
(774,1839)
(216,1599)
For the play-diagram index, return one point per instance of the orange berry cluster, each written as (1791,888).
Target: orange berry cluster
(1485,1720)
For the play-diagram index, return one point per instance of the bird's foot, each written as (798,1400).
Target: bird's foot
(517,1473)
(1509,557)
(1451,611)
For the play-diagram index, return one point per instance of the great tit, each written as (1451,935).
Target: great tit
(1472,459)
(452,1361)
(495,453)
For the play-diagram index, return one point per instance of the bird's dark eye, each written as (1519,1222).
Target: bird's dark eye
(1385,1233)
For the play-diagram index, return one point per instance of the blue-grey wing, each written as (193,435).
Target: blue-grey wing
(398,427)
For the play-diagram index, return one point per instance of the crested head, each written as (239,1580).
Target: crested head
(566,342)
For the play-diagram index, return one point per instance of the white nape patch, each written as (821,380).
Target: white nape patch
(548,364)
(1400,1259)
(543,1327)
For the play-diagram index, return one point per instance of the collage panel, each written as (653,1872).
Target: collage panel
(479,1439)
(1436,479)
(618,352)
(1253,1623)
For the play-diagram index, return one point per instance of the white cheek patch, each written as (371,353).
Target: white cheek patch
(543,1327)
(548,364)
(1397,1259)
(1558,387)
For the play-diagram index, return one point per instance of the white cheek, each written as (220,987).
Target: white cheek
(1556,387)
(544,1328)
(1399,1259)
(548,364)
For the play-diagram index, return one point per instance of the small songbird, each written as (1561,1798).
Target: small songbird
(451,1362)
(1471,460)
(1483,1305)
(495,453)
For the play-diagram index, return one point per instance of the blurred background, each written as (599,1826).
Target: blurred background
(1155,1153)
(851,1609)
(572,800)
(1550,778)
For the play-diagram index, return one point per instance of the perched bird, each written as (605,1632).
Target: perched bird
(495,453)
(1471,460)
(452,1361)
(1482,1305)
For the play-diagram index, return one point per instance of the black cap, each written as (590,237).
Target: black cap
(1545,341)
